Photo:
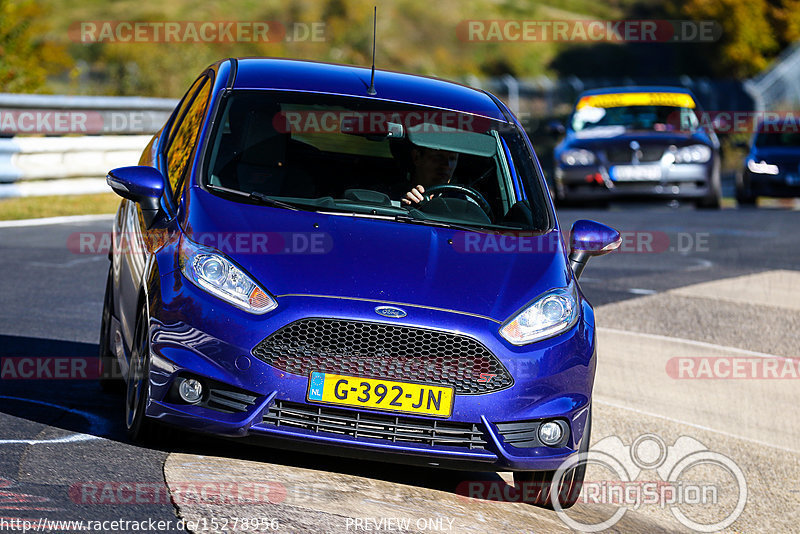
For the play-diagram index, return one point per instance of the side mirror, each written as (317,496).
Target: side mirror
(141,184)
(744,145)
(590,238)
(555,128)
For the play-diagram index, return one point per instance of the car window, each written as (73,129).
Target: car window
(358,155)
(186,130)
(778,139)
(185,102)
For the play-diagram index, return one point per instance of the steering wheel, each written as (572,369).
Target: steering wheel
(464,190)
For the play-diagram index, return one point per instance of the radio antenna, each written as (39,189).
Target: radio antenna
(371,90)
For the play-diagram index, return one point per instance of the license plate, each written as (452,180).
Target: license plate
(634,173)
(378,394)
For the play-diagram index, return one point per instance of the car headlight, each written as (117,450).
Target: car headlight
(577,156)
(761,167)
(211,271)
(549,315)
(693,154)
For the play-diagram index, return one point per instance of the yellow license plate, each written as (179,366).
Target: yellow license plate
(377,394)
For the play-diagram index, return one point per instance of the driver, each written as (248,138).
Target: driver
(429,167)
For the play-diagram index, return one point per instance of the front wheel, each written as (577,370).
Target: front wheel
(744,193)
(109,371)
(713,200)
(538,484)
(138,383)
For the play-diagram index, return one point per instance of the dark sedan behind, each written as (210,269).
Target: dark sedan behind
(636,142)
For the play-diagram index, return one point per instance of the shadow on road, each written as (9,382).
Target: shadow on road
(49,381)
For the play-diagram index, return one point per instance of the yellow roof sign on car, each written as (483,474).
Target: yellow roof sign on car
(615,100)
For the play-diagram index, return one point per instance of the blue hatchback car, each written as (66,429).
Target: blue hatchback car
(772,165)
(310,261)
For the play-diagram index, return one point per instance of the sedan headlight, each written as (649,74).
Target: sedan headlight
(550,314)
(211,271)
(577,156)
(761,168)
(693,154)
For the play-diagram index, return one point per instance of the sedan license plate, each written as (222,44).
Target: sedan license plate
(377,394)
(636,173)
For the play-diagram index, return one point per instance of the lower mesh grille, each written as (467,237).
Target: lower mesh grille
(379,350)
(375,426)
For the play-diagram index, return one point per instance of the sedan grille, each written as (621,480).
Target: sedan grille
(624,154)
(374,426)
(378,350)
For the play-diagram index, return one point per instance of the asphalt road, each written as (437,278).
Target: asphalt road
(63,454)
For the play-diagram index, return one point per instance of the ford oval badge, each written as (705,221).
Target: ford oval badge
(390,311)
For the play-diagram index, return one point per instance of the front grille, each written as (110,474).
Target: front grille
(525,434)
(226,400)
(521,434)
(378,350)
(396,429)
(624,154)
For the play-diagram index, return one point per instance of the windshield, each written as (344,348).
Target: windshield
(657,111)
(782,139)
(647,118)
(346,155)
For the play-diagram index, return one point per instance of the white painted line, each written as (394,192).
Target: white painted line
(703,344)
(56,220)
(67,439)
(640,291)
(699,427)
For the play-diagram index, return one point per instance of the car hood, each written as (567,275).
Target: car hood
(306,253)
(777,154)
(598,137)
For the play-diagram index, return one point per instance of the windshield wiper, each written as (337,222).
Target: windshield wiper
(269,201)
(441,224)
(255,195)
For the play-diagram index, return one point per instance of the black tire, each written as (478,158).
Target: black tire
(744,194)
(570,484)
(713,200)
(137,391)
(109,374)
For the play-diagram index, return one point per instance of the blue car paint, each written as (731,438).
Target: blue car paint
(370,263)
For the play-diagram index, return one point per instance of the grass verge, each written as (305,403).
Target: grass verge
(57,206)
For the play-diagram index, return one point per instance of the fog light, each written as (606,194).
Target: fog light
(550,433)
(190,390)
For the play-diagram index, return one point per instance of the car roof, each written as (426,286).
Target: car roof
(637,89)
(349,80)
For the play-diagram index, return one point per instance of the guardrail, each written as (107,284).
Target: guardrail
(62,145)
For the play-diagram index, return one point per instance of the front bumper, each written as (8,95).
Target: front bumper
(552,379)
(780,185)
(690,181)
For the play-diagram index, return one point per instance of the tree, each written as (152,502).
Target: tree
(26,57)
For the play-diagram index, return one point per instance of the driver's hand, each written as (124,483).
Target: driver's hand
(415,196)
